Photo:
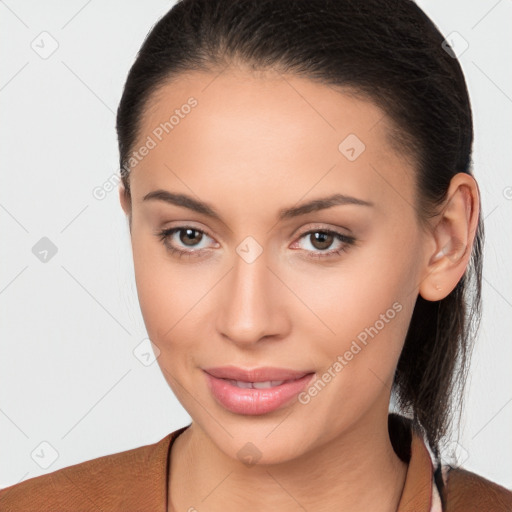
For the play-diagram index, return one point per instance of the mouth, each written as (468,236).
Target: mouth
(258,385)
(255,392)
(256,375)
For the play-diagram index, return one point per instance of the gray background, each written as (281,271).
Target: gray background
(74,382)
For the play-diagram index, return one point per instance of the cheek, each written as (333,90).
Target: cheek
(166,303)
(171,294)
(358,362)
(157,286)
(367,305)
(356,294)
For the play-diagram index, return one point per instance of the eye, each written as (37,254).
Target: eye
(188,236)
(322,239)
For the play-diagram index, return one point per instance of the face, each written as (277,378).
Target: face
(323,291)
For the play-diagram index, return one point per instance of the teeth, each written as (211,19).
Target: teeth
(257,385)
(267,384)
(241,384)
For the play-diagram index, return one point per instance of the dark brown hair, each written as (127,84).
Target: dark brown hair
(388,51)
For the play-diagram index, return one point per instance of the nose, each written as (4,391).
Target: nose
(252,302)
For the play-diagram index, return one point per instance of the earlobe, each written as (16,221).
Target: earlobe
(453,236)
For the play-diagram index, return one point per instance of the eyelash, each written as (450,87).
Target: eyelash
(348,241)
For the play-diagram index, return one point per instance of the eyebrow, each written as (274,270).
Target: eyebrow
(189,202)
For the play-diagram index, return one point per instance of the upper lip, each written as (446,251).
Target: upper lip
(261,374)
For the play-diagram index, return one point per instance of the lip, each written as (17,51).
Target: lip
(248,401)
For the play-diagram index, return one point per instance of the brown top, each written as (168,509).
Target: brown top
(137,480)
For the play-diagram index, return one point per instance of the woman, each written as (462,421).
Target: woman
(306,235)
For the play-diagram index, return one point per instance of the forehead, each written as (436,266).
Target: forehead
(266,132)
(263,104)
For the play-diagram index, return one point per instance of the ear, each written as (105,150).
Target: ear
(126,203)
(452,238)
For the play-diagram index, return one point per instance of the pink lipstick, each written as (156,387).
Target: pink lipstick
(255,391)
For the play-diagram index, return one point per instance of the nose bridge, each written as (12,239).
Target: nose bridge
(249,309)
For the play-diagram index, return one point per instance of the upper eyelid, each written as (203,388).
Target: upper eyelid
(322,227)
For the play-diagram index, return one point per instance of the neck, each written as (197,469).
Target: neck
(357,470)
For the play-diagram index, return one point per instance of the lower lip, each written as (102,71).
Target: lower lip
(255,401)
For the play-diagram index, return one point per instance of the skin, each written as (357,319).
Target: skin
(254,144)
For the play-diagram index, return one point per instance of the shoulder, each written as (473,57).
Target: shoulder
(104,483)
(467,491)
